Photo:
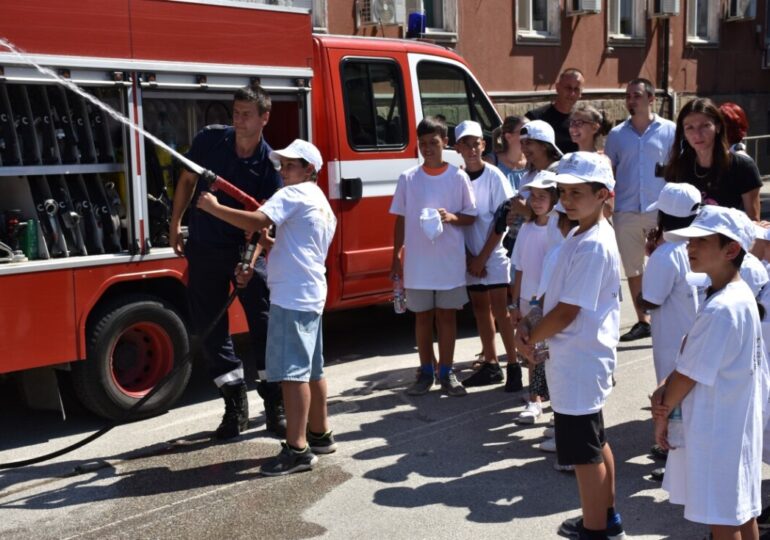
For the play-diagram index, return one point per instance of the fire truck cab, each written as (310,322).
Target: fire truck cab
(101,295)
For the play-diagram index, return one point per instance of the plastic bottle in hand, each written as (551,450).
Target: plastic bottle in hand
(676,428)
(399,297)
(534,316)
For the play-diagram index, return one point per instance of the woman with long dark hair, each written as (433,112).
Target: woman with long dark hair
(701,157)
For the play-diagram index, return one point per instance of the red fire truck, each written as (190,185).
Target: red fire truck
(101,296)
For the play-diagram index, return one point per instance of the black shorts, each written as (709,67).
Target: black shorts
(579,439)
(482,288)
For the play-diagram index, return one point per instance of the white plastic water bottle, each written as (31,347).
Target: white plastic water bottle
(534,316)
(676,428)
(399,297)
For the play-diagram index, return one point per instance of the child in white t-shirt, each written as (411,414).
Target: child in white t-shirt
(581,324)
(532,245)
(432,202)
(488,266)
(296,276)
(718,384)
(672,301)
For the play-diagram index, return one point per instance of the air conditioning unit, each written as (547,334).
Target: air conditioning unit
(380,12)
(583,7)
(663,8)
(741,10)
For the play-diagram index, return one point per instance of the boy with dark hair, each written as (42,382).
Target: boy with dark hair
(581,323)
(718,384)
(432,201)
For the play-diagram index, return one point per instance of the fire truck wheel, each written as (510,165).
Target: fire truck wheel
(132,344)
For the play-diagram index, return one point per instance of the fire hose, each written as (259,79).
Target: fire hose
(214,183)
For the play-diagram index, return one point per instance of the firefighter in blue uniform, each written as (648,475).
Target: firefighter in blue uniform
(239,154)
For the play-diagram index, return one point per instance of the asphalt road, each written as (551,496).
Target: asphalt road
(407,467)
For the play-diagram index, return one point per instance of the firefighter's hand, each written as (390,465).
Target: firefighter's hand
(242,277)
(265,240)
(176,239)
(207,202)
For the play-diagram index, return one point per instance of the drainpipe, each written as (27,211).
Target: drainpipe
(666,59)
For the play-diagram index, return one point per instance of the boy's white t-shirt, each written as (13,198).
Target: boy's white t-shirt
(529,251)
(433,265)
(555,239)
(583,355)
(490,190)
(764,299)
(722,415)
(664,284)
(305,224)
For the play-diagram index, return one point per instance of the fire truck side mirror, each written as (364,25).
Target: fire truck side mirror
(351,189)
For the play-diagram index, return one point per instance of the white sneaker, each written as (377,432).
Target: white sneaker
(548,445)
(530,413)
(563,468)
(549,433)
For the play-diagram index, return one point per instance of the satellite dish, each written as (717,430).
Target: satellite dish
(384,11)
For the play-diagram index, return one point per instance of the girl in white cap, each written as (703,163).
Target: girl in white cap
(296,269)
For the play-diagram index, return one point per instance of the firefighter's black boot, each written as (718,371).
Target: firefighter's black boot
(275,417)
(236,417)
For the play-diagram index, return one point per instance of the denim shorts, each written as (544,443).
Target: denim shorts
(294,350)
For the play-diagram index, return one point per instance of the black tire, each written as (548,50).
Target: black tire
(131,344)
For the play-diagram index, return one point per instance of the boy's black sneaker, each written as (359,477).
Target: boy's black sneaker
(570,528)
(451,386)
(289,461)
(640,330)
(658,474)
(323,444)
(487,374)
(421,385)
(513,377)
(658,452)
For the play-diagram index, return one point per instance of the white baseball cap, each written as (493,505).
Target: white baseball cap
(430,222)
(584,167)
(543,179)
(466,128)
(678,200)
(299,149)
(540,130)
(754,273)
(729,222)
(761,233)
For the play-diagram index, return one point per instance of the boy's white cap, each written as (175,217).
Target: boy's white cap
(542,180)
(761,233)
(584,167)
(540,130)
(299,149)
(754,273)
(466,128)
(430,222)
(678,200)
(730,222)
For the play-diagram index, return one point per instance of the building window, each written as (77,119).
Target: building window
(320,20)
(538,20)
(626,22)
(702,22)
(440,18)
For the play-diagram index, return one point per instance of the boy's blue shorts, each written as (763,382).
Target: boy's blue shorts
(294,350)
